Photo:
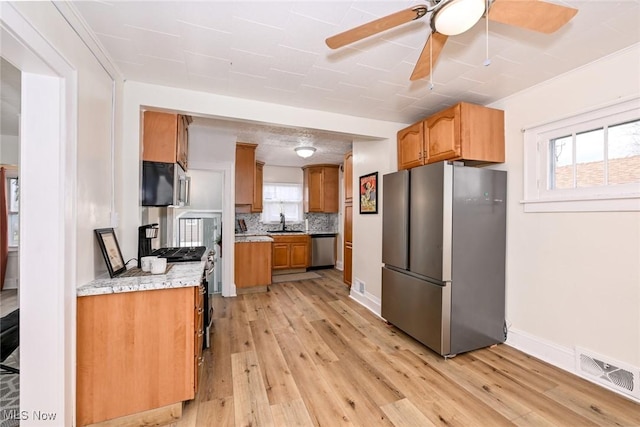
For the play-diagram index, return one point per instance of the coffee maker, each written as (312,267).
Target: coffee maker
(145,234)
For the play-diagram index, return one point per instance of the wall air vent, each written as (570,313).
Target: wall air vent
(610,373)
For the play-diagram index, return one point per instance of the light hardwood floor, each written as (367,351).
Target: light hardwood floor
(8,301)
(305,354)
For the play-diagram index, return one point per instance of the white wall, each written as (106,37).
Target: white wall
(206,189)
(65,161)
(573,279)
(9,150)
(282,174)
(368,157)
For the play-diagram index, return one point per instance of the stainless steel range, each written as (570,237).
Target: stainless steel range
(186,254)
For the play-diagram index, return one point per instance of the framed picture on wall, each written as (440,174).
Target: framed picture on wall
(369,193)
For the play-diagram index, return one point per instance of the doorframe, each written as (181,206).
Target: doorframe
(48,204)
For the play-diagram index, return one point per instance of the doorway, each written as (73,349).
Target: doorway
(47,202)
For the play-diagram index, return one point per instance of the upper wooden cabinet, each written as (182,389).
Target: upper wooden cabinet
(411,146)
(348,177)
(467,132)
(245,176)
(320,183)
(257,189)
(166,138)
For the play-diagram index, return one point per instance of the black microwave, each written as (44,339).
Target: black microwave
(164,184)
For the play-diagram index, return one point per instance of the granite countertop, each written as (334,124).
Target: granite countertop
(181,275)
(252,238)
(257,236)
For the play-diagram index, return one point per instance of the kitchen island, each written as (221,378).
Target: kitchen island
(139,345)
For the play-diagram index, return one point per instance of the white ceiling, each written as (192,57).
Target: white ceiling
(274,51)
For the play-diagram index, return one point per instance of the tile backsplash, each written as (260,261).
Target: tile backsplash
(318,222)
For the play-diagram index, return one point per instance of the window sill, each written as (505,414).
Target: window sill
(629,203)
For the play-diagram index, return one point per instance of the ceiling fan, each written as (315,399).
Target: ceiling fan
(453,17)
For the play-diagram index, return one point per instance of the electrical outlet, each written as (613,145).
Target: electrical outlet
(359,285)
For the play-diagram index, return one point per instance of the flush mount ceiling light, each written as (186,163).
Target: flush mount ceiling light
(458,16)
(304,152)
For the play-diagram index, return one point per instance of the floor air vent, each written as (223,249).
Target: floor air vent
(610,373)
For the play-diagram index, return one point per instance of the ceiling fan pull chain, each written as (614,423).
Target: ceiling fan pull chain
(430,63)
(487,61)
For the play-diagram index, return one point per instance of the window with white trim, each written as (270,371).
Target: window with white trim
(588,162)
(281,198)
(13,209)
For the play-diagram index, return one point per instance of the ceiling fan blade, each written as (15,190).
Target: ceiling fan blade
(377,26)
(429,56)
(533,15)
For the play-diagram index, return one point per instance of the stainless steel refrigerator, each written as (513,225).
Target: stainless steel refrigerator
(443,249)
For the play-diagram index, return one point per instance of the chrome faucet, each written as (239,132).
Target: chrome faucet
(282,220)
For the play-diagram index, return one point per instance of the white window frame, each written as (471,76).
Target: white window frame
(12,210)
(288,219)
(537,196)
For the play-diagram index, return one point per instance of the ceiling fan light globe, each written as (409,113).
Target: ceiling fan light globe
(458,16)
(304,152)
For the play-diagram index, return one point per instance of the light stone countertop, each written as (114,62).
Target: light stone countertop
(181,275)
(252,238)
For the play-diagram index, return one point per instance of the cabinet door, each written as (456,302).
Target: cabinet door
(330,202)
(245,173)
(299,255)
(160,131)
(198,335)
(183,141)
(257,190)
(411,146)
(348,177)
(316,183)
(347,271)
(348,223)
(442,135)
(280,256)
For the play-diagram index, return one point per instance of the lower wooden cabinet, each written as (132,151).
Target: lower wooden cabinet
(347,270)
(137,351)
(252,264)
(291,252)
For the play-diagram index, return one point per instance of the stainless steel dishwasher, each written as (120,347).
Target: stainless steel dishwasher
(323,250)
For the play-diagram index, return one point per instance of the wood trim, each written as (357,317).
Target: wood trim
(153,417)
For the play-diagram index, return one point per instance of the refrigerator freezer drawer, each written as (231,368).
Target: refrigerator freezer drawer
(419,308)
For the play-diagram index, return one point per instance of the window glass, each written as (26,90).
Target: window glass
(590,158)
(624,153)
(13,205)
(561,162)
(586,162)
(282,198)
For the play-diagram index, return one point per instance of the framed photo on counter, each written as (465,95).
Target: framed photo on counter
(369,193)
(110,251)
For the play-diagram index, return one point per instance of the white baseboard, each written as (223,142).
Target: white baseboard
(371,302)
(339,265)
(10,283)
(554,354)
(561,357)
